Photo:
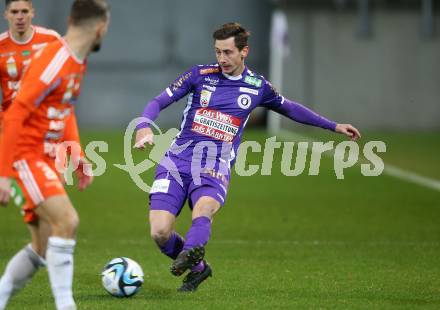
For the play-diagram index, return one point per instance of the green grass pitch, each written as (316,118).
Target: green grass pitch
(307,242)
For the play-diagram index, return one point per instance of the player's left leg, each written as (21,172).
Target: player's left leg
(197,237)
(199,233)
(23,266)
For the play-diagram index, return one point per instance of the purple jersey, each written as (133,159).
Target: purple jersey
(218,109)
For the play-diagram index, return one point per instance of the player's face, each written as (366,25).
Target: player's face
(19,15)
(229,57)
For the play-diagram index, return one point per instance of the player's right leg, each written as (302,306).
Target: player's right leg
(42,186)
(162,231)
(63,220)
(167,197)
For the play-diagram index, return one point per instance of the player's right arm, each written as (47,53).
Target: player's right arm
(12,125)
(176,91)
(32,92)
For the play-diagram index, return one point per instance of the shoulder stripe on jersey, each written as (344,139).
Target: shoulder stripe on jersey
(55,66)
(4,35)
(169,92)
(185,113)
(43,30)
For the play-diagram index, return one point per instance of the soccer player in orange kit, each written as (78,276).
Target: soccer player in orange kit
(41,115)
(17,46)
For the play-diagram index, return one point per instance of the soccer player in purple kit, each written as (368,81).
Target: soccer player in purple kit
(197,165)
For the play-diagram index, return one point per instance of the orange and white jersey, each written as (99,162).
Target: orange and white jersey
(42,113)
(15,56)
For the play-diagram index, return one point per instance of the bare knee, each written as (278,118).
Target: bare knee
(161,226)
(205,206)
(61,216)
(66,227)
(160,234)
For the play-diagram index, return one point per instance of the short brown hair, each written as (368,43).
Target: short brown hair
(85,10)
(8,2)
(235,30)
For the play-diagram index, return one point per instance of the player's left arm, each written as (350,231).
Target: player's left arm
(301,114)
(83,172)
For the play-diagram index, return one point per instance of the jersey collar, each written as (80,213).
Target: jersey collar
(24,42)
(238,77)
(74,56)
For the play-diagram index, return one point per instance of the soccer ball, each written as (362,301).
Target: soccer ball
(122,277)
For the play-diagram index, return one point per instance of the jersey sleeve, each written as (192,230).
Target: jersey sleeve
(183,85)
(12,125)
(71,132)
(271,98)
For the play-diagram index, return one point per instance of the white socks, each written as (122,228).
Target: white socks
(59,258)
(18,272)
(26,262)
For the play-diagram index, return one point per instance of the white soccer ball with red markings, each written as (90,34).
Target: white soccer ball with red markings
(122,277)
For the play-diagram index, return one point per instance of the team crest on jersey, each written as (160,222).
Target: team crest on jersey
(253,81)
(205,97)
(244,101)
(26,53)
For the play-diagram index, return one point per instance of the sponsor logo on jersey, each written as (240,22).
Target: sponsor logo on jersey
(249,91)
(26,53)
(9,54)
(253,81)
(210,88)
(50,149)
(50,135)
(178,83)
(244,101)
(215,124)
(205,97)
(212,81)
(56,125)
(11,67)
(13,85)
(160,186)
(38,46)
(53,113)
(209,71)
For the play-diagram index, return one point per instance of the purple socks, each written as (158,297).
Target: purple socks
(173,246)
(199,233)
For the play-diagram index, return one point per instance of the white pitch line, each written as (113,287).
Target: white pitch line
(389,170)
(412,177)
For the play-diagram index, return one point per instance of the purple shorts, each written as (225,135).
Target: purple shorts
(175,182)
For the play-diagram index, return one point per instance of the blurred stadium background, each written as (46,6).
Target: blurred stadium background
(372,62)
(281,242)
